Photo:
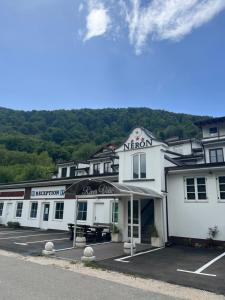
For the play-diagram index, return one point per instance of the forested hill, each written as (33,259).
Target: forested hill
(31,142)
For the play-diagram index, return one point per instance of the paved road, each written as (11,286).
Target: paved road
(23,280)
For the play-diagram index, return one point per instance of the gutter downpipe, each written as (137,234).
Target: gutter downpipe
(75,222)
(131,224)
(167,217)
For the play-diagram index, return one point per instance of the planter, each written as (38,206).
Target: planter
(156,242)
(80,242)
(127,248)
(116,237)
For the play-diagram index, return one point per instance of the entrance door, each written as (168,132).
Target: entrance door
(45,215)
(136,221)
(147,220)
(99,216)
(9,213)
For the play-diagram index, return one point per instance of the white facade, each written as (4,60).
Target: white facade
(185,190)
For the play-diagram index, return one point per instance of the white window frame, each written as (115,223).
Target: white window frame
(17,208)
(55,203)
(196,200)
(139,166)
(218,189)
(2,202)
(113,212)
(32,218)
(82,201)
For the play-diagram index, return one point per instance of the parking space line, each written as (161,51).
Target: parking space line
(123,259)
(64,249)
(42,241)
(21,244)
(25,236)
(15,232)
(88,245)
(208,264)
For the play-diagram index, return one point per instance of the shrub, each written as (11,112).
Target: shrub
(13,224)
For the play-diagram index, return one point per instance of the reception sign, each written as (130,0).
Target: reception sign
(48,192)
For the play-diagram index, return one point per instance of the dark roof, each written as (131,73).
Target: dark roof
(196,166)
(210,121)
(55,181)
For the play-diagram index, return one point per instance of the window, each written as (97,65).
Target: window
(33,210)
(139,166)
(64,172)
(196,188)
(96,169)
(213,130)
(82,211)
(1,208)
(115,212)
(216,155)
(107,167)
(72,171)
(221,183)
(59,208)
(19,209)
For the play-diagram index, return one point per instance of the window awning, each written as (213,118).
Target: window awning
(100,188)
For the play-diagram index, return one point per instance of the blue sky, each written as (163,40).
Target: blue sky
(71,54)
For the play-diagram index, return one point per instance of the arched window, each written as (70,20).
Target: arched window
(139,166)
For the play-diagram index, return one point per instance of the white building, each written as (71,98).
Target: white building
(178,186)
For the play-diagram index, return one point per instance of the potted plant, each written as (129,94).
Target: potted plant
(155,239)
(212,233)
(127,247)
(115,234)
(80,240)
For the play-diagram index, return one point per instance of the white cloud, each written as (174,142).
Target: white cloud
(150,19)
(98,20)
(168,19)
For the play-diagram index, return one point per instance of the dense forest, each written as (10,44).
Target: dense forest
(32,142)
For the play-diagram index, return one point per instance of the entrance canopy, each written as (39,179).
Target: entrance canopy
(89,188)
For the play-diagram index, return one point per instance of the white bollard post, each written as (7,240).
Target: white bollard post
(88,255)
(49,249)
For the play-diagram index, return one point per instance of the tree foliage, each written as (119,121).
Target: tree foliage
(32,142)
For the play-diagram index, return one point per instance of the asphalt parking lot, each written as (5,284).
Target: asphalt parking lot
(32,241)
(198,268)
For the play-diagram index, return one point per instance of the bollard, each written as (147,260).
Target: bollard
(88,255)
(49,249)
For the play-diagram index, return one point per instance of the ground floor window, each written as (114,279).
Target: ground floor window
(1,208)
(221,184)
(59,208)
(115,212)
(82,211)
(33,210)
(196,188)
(19,209)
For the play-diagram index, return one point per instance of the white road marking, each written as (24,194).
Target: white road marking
(25,236)
(15,232)
(36,242)
(21,244)
(88,245)
(199,270)
(137,254)
(64,249)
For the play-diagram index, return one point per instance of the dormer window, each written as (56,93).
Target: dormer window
(64,172)
(139,166)
(213,130)
(72,171)
(96,169)
(107,167)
